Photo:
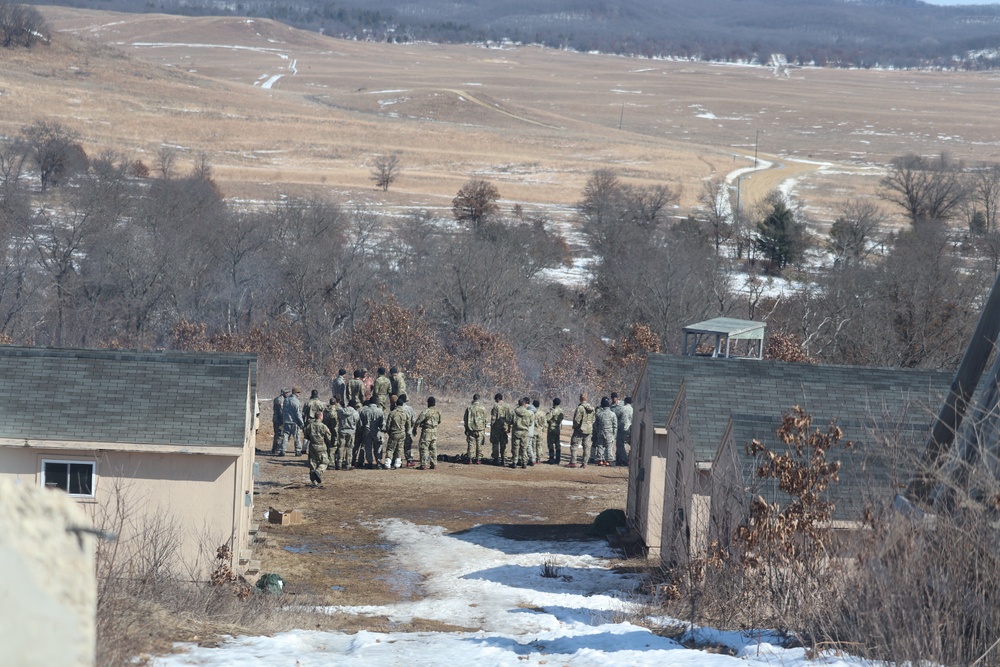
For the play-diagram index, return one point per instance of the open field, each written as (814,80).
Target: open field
(281,111)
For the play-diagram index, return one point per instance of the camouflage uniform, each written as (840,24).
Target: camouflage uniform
(277,420)
(355,392)
(381,390)
(313,407)
(397,427)
(371,422)
(330,421)
(605,432)
(397,383)
(347,418)
(475,428)
(408,442)
(319,437)
(541,425)
(339,389)
(500,418)
(428,422)
(555,419)
(624,435)
(583,427)
(292,424)
(520,435)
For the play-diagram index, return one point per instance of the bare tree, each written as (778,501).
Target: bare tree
(54,150)
(475,202)
(929,190)
(984,194)
(166,161)
(714,200)
(854,235)
(21,25)
(385,170)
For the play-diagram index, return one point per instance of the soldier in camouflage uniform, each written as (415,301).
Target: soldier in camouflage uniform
(330,421)
(397,427)
(475,428)
(381,389)
(408,443)
(605,432)
(277,420)
(347,424)
(541,426)
(319,437)
(371,423)
(397,382)
(555,419)
(338,388)
(500,419)
(356,389)
(291,427)
(427,422)
(583,428)
(624,435)
(313,406)
(520,433)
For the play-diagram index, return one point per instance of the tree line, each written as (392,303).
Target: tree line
(103,250)
(900,33)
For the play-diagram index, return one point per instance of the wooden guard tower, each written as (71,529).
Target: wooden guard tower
(730,338)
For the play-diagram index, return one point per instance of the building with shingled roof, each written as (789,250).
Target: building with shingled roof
(145,441)
(689,475)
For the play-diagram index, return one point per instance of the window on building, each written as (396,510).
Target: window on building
(74,477)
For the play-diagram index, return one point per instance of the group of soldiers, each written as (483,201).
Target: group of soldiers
(524,427)
(346,432)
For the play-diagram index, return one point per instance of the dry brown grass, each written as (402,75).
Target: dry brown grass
(535,121)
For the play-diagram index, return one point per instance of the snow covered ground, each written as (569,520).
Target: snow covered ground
(495,586)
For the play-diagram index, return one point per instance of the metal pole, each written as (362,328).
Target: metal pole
(756,143)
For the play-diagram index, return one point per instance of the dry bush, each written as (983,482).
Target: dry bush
(572,373)
(785,346)
(147,598)
(397,335)
(627,355)
(481,360)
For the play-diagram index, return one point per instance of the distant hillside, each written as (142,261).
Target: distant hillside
(865,33)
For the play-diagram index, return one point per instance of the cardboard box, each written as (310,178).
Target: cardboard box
(285,518)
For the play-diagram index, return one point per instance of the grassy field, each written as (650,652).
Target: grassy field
(534,121)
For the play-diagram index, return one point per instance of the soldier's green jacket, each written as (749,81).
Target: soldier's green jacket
(371,419)
(318,434)
(428,421)
(330,417)
(382,386)
(398,384)
(541,421)
(523,420)
(277,414)
(555,419)
(501,415)
(314,406)
(475,418)
(583,418)
(399,423)
(355,391)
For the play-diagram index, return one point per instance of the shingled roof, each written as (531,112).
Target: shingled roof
(120,396)
(718,388)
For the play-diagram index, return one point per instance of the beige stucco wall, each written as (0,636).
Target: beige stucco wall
(201,497)
(48,588)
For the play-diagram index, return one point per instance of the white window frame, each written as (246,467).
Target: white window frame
(71,462)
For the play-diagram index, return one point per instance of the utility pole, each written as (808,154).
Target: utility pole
(756,142)
(622,117)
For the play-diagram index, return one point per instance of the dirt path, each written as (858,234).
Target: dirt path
(338,555)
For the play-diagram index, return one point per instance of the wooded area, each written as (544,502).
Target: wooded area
(871,33)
